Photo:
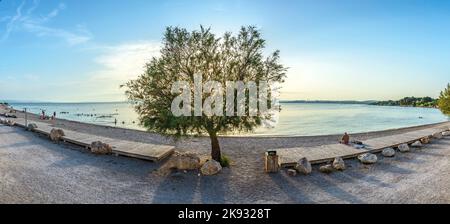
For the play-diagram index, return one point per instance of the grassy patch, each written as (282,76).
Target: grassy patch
(225,161)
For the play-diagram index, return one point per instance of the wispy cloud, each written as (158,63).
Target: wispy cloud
(125,61)
(11,22)
(118,64)
(25,21)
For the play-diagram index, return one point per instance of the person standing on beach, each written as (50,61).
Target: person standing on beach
(115,121)
(54,115)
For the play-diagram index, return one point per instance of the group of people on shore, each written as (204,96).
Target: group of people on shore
(46,117)
(43,116)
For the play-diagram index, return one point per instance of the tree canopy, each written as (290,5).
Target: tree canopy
(444,100)
(183,55)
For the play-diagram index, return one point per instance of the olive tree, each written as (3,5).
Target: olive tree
(184,55)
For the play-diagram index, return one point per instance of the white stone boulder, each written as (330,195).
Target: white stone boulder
(210,168)
(339,164)
(417,144)
(180,161)
(186,161)
(56,134)
(425,140)
(446,133)
(303,166)
(10,123)
(403,148)
(437,135)
(32,126)
(100,148)
(326,169)
(388,152)
(368,158)
(291,172)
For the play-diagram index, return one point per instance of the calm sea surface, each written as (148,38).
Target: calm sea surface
(294,119)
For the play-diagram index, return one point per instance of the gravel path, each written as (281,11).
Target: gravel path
(34,170)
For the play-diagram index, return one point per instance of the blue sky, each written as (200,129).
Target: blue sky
(74,50)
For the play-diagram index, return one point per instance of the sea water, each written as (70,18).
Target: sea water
(294,119)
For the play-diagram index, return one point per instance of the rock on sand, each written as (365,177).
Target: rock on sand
(180,161)
(404,148)
(417,144)
(56,134)
(425,140)
(100,148)
(388,152)
(339,164)
(437,135)
(210,168)
(291,172)
(326,169)
(368,158)
(303,166)
(32,126)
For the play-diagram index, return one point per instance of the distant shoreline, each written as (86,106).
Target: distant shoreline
(327,102)
(369,102)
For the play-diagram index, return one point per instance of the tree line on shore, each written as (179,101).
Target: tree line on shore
(410,101)
(443,102)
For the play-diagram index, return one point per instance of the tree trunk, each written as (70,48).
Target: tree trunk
(215,147)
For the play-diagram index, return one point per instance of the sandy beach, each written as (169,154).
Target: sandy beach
(35,170)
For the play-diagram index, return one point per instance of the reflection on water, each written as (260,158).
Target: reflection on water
(321,119)
(294,119)
(96,113)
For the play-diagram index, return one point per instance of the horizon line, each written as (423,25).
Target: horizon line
(126,101)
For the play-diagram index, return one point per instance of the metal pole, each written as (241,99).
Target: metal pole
(26,118)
